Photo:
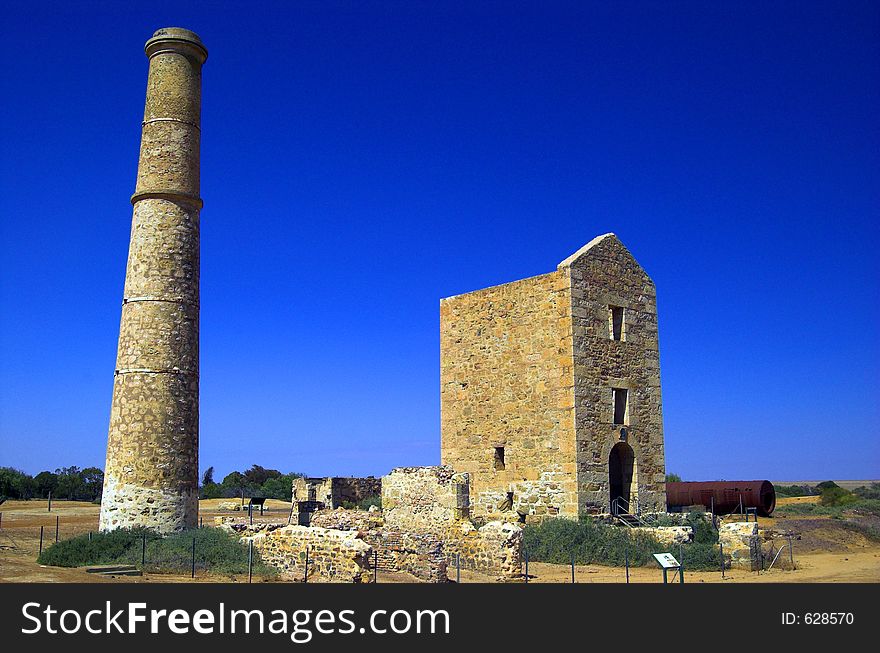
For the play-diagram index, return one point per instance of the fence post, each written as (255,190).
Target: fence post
(375,565)
(790,553)
(90,536)
(41,540)
(251,513)
(194,559)
(57,524)
(572,569)
(306,569)
(50,502)
(626,563)
(250,560)
(526,554)
(1,520)
(721,546)
(144,550)
(458,567)
(680,562)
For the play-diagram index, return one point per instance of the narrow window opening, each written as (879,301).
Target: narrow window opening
(616,322)
(620,408)
(499,458)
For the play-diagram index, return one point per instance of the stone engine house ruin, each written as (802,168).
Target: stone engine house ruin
(550,390)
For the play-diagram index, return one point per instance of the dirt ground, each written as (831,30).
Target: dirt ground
(825,550)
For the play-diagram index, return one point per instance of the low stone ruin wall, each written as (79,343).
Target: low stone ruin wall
(333,491)
(394,551)
(348,520)
(494,549)
(420,555)
(436,501)
(332,555)
(741,544)
(668,534)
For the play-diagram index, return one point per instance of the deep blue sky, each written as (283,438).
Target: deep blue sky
(362,160)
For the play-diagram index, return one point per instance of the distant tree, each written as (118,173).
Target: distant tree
(92,484)
(44,483)
(208,476)
(673,478)
(70,482)
(15,484)
(234,480)
(258,475)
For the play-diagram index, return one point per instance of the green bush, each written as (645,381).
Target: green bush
(795,490)
(217,551)
(557,540)
(673,478)
(872,492)
(863,507)
(836,496)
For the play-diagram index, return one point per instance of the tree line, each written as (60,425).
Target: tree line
(70,483)
(87,484)
(257,481)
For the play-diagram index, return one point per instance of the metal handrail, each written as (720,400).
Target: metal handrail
(619,502)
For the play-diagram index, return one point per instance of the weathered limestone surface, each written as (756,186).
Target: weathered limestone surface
(741,543)
(151,476)
(425,499)
(668,534)
(333,491)
(528,369)
(434,501)
(332,555)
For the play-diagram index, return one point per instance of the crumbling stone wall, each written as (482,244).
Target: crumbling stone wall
(334,491)
(527,372)
(434,501)
(425,499)
(419,554)
(741,544)
(332,555)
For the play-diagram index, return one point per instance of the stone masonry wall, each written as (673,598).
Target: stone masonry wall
(333,491)
(528,370)
(333,555)
(419,554)
(604,274)
(506,381)
(434,501)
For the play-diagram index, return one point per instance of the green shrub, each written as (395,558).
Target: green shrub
(862,507)
(836,496)
(795,490)
(872,492)
(216,551)
(557,540)
(673,478)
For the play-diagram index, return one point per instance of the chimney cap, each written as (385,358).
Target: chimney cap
(176,36)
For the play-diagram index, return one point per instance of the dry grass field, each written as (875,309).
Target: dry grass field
(825,551)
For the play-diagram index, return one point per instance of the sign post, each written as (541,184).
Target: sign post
(667,561)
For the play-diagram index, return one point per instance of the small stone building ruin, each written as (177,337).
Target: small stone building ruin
(550,390)
(312,494)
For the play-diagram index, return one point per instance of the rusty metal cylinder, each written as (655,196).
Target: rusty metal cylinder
(723,496)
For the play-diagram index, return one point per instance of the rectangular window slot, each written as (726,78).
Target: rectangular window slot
(615,319)
(620,396)
(499,458)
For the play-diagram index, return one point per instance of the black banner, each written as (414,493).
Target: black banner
(433,617)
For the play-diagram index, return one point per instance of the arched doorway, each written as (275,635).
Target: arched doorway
(621,468)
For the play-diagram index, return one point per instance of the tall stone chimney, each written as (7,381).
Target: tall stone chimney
(151,478)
